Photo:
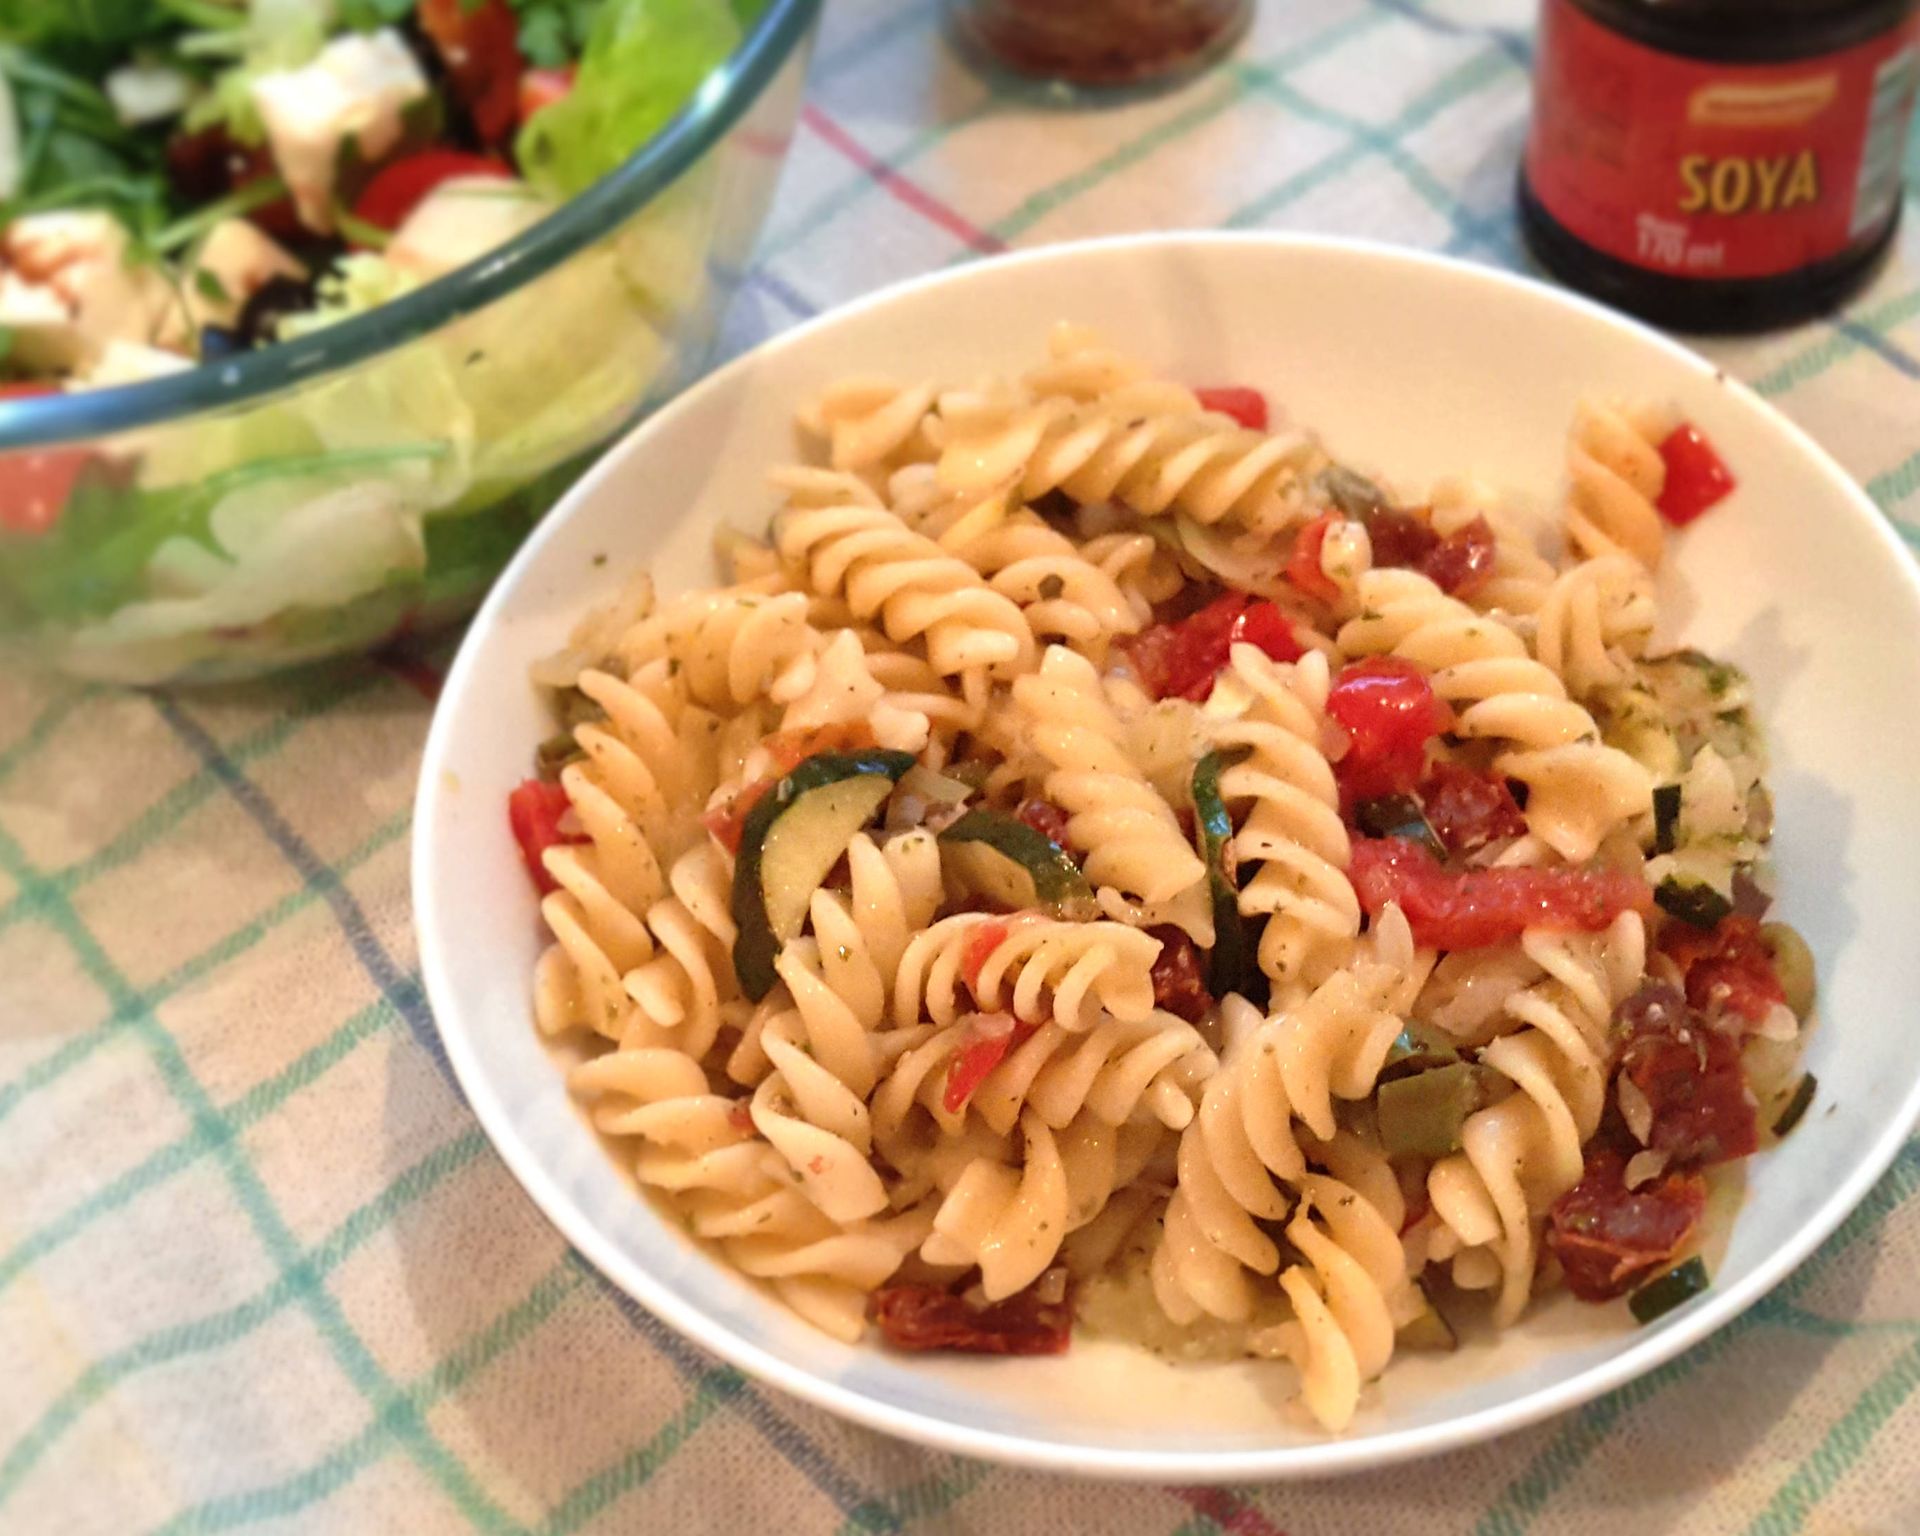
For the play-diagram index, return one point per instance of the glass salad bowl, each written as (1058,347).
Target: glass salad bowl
(369,477)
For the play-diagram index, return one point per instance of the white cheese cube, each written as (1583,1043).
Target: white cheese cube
(236,260)
(68,289)
(358,88)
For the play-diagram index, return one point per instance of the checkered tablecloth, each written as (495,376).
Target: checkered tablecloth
(258,1267)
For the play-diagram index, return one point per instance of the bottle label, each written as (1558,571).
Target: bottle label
(1693,168)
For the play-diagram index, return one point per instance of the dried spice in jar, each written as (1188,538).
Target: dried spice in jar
(1098,43)
(1718,165)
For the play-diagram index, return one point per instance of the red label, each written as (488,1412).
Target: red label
(1700,169)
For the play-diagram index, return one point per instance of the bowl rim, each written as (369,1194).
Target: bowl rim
(716,106)
(1656,1345)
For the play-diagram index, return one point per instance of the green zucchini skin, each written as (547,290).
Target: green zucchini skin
(1060,889)
(757,946)
(1233,965)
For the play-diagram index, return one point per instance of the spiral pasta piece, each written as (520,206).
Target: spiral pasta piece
(1593,623)
(635,791)
(1616,475)
(1292,837)
(731,646)
(1242,1154)
(883,569)
(1135,853)
(1521,1154)
(1578,789)
(1039,970)
(868,422)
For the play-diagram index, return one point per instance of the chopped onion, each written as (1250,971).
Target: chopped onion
(1779,1024)
(1051,1288)
(1644,1167)
(1635,1109)
(935,788)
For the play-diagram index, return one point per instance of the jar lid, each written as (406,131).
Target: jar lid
(1749,31)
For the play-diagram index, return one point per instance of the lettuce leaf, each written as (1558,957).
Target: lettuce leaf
(642,61)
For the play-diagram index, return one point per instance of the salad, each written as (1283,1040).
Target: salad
(182,181)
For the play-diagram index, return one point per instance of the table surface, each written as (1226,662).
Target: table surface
(259,1268)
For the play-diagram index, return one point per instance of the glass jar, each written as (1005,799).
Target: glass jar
(1098,44)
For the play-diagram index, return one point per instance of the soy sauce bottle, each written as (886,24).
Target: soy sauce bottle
(1719,165)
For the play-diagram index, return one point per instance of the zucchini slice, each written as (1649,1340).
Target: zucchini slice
(1423,1115)
(792,838)
(1660,1296)
(1000,857)
(1399,816)
(1233,965)
(1429,1330)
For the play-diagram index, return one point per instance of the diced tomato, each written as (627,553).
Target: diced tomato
(1389,712)
(480,45)
(728,820)
(534,810)
(922,1317)
(1697,477)
(1728,968)
(1046,818)
(402,185)
(1468,810)
(1398,539)
(989,1038)
(1690,1074)
(981,943)
(1472,908)
(1462,562)
(35,483)
(1178,983)
(1303,564)
(1246,406)
(1180,660)
(542,88)
(1263,625)
(1609,1238)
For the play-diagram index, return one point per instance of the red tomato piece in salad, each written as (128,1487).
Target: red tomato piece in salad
(1609,1238)
(981,943)
(543,87)
(1180,660)
(1728,968)
(1473,908)
(1398,539)
(402,185)
(1689,1073)
(480,45)
(35,483)
(1462,562)
(1468,810)
(1246,406)
(1697,477)
(989,1037)
(534,812)
(924,1317)
(1046,818)
(1389,712)
(1179,984)
(1303,563)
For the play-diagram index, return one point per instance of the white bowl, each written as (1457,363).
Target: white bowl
(1411,365)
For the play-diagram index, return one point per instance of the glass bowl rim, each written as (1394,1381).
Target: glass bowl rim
(716,106)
